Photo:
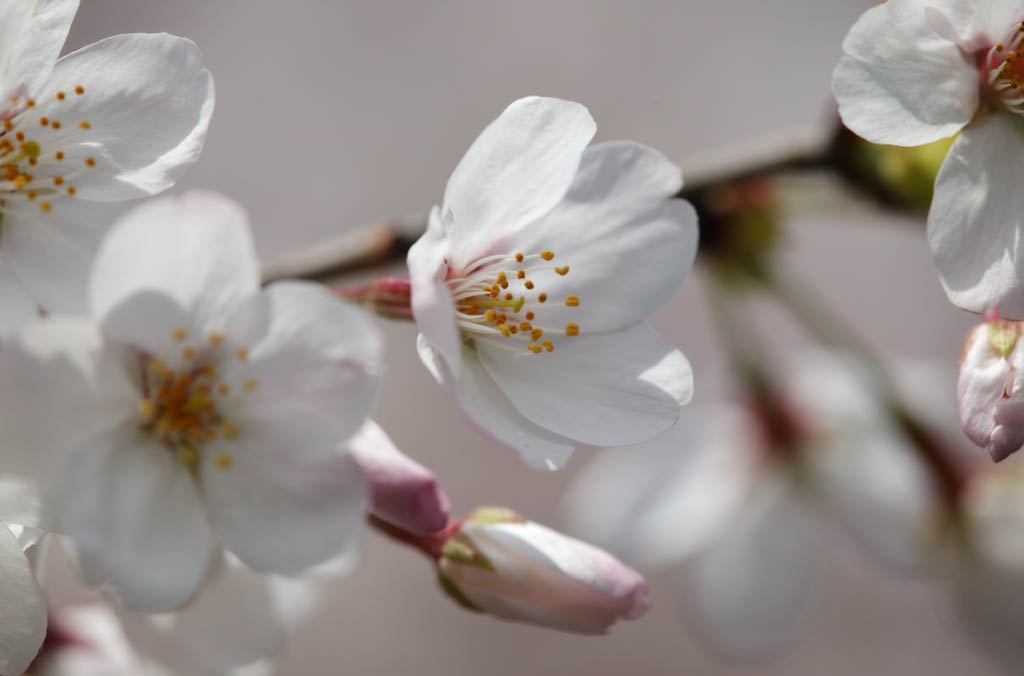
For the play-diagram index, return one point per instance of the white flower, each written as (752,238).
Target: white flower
(118,119)
(535,277)
(916,71)
(23,611)
(990,389)
(191,400)
(502,564)
(744,502)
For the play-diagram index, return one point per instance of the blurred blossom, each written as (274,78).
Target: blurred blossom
(402,491)
(915,72)
(990,573)
(499,563)
(194,409)
(742,491)
(89,641)
(23,520)
(119,119)
(535,278)
(990,389)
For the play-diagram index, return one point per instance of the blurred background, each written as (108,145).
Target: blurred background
(331,114)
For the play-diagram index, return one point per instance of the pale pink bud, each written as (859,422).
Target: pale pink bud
(990,389)
(518,570)
(403,492)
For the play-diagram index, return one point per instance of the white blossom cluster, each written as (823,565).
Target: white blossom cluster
(201,444)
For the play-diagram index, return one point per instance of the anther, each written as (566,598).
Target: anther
(528,284)
(60,96)
(251,384)
(547,255)
(519,258)
(572,301)
(79,90)
(564,270)
(542,297)
(536,334)
(242,354)
(572,329)
(214,338)
(534,348)
(45,206)
(84,125)
(188,353)
(521,274)
(224,461)
(90,161)
(179,334)
(548,345)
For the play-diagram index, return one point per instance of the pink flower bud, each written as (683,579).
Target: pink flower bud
(990,389)
(518,570)
(403,492)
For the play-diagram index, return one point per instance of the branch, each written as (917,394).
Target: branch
(370,246)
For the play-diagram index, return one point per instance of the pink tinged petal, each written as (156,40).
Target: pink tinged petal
(543,577)
(628,246)
(492,415)
(52,253)
(316,364)
(605,390)
(754,591)
(1008,433)
(403,492)
(59,383)
(280,514)
(32,33)
(17,307)
(975,221)
(23,618)
(147,100)
(901,83)
(634,500)
(515,172)
(432,304)
(195,249)
(984,375)
(133,512)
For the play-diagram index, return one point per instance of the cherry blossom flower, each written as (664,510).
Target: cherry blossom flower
(536,275)
(916,71)
(741,494)
(23,520)
(119,119)
(990,390)
(193,409)
(499,563)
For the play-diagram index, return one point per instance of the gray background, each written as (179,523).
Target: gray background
(334,113)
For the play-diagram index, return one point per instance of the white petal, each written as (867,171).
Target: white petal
(133,511)
(32,33)
(207,637)
(900,82)
(605,390)
(196,248)
(432,304)
(492,415)
(59,383)
(52,253)
(975,221)
(516,171)
(147,101)
(23,614)
(22,505)
(278,515)
(754,591)
(17,306)
(317,364)
(627,245)
(659,502)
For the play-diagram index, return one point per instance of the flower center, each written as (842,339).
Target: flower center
(181,408)
(498,301)
(33,169)
(1003,73)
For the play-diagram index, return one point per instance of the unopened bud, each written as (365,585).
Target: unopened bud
(403,492)
(990,389)
(502,564)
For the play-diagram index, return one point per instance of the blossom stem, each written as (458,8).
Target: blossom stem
(430,544)
(387,296)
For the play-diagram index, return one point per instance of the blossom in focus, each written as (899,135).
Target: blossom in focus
(535,278)
(916,71)
(990,389)
(193,409)
(119,119)
(402,491)
(23,521)
(742,492)
(499,563)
